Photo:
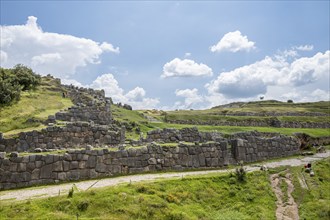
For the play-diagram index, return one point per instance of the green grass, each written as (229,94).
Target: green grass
(38,104)
(214,116)
(315,132)
(314,203)
(211,197)
(276,106)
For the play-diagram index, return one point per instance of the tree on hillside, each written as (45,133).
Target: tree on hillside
(13,81)
(26,77)
(10,89)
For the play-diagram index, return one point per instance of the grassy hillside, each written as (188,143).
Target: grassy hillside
(33,107)
(36,105)
(274,106)
(215,196)
(262,107)
(138,119)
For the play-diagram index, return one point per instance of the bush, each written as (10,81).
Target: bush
(26,77)
(240,174)
(82,206)
(12,81)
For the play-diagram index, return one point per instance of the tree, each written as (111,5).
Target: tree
(13,81)
(26,77)
(10,89)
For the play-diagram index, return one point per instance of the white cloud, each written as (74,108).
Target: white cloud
(136,94)
(57,54)
(110,85)
(185,68)
(276,78)
(305,47)
(46,58)
(233,42)
(187,54)
(135,97)
(191,98)
(307,70)
(71,82)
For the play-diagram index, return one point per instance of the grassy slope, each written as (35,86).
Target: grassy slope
(136,116)
(189,198)
(45,100)
(255,107)
(215,196)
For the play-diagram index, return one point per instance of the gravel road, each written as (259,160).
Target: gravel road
(55,190)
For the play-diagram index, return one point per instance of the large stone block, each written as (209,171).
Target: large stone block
(21,167)
(101,168)
(49,159)
(61,176)
(152,161)
(91,162)
(74,165)
(58,166)
(46,171)
(201,160)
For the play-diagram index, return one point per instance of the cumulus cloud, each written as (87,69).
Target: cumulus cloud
(185,68)
(135,97)
(275,76)
(45,52)
(307,70)
(233,42)
(191,98)
(136,94)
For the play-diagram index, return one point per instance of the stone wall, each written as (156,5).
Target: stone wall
(84,95)
(251,123)
(70,136)
(276,114)
(185,134)
(257,148)
(96,113)
(85,164)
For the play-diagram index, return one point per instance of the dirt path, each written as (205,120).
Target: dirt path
(287,208)
(54,190)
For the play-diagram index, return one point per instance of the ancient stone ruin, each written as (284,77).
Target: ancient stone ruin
(85,164)
(88,125)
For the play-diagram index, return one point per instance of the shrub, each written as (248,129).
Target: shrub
(240,174)
(12,81)
(82,206)
(70,194)
(26,77)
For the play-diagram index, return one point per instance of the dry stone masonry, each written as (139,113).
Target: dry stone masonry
(184,134)
(89,124)
(73,135)
(256,123)
(85,164)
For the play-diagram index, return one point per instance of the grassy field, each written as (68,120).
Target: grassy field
(213,196)
(37,105)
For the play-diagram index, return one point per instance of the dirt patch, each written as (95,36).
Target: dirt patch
(287,208)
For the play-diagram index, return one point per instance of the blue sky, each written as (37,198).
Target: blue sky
(175,55)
